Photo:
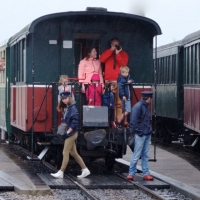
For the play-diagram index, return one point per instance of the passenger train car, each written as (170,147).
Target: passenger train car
(178,91)
(53,45)
(3,86)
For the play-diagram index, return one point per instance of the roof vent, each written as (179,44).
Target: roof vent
(96,9)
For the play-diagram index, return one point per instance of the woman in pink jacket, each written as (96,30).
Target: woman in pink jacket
(87,67)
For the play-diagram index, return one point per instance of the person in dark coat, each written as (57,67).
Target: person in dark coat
(140,125)
(108,100)
(124,83)
(71,118)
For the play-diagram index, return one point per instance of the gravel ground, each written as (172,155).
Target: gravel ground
(125,194)
(58,194)
(167,193)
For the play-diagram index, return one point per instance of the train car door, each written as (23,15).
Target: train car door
(81,41)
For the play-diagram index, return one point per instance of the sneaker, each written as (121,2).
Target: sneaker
(59,174)
(148,177)
(130,177)
(113,125)
(85,172)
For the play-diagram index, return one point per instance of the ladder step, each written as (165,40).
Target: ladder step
(44,143)
(43,153)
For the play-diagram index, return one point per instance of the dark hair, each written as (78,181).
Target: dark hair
(88,50)
(113,39)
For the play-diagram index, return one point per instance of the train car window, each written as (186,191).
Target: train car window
(197,64)
(186,61)
(190,65)
(174,64)
(161,71)
(168,70)
(158,70)
(20,61)
(165,70)
(193,64)
(2,67)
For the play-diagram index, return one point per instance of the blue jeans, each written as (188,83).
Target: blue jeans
(141,148)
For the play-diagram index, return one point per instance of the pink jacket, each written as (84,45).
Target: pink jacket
(94,92)
(87,68)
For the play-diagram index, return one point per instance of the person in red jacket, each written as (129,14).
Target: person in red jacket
(94,91)
(114,58)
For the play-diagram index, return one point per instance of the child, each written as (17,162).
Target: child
(108,100)
(63,81)
(123,82)
(71,118)
(94,91)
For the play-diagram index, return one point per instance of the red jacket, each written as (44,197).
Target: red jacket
(108,58)
(94,93)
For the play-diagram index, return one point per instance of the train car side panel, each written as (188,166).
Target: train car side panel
(192,107)
(42,109)
(21,104)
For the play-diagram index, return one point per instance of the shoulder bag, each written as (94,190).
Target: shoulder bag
(62,128)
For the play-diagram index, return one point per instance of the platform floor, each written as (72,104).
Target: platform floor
(171,166)
(14,175)
(168,166)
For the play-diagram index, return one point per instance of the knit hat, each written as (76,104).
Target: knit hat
(95,77)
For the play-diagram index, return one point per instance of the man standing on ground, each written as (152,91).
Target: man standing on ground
(140,125)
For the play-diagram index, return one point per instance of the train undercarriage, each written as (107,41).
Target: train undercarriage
(173,131)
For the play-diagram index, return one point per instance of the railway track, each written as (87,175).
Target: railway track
(97,185)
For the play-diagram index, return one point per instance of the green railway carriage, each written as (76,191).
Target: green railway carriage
(4,90)
(53,45)
(178,90)
(191,87)
(169,92)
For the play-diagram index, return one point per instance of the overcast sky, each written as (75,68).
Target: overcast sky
(177,18)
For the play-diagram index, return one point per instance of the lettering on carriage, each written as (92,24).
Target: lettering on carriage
(67,44)
(52,41)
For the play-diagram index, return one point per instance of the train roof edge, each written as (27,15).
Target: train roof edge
(191,37)
(89,11)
